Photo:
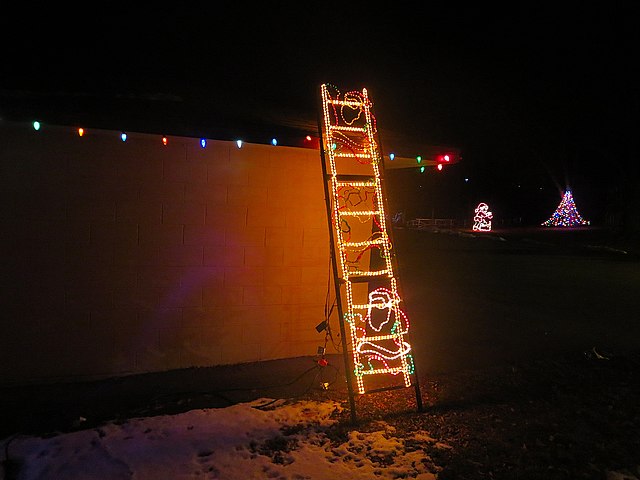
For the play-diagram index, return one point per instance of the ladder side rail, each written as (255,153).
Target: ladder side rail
(334,263)
(393,262)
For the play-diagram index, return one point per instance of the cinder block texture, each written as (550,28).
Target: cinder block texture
(134,257)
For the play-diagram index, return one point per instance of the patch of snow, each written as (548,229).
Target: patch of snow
(255,440)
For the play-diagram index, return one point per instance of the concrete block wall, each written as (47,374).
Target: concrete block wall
(132,257)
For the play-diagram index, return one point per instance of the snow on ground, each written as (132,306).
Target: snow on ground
(257,440)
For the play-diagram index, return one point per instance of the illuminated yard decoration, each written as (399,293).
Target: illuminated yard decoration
(366,285)
(482,218)
(566,215)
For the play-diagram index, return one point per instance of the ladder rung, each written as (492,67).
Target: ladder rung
(359,213)
(364,277)
(357,184)
(377,241)
(356,280)
(354,178)
(348,103)
(343,128)
(378,371)
(362,306)
(352,155)
(385,389)
(376,338)
(367,306)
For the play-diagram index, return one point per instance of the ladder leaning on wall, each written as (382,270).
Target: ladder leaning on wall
(367,295)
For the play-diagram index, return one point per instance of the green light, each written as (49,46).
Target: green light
(36,125)
(419,159)
(422,169)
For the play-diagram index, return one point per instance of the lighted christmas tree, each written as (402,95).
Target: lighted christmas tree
(566,215)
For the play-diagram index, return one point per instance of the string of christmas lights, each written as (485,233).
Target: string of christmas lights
(164,139)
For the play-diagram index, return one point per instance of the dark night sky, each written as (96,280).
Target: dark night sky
(536,97)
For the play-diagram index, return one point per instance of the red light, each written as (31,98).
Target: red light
(164,140)
(309,141)
(446,158)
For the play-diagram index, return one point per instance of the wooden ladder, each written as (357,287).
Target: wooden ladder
(369,303)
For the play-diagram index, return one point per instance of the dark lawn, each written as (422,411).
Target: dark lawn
(483,299)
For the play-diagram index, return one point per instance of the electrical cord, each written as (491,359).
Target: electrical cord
(220,392)
(329,335)
(327,315)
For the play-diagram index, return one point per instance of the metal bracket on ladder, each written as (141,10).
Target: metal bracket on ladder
(367,292)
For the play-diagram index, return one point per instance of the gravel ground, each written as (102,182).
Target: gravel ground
(563,417)
(571,417)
